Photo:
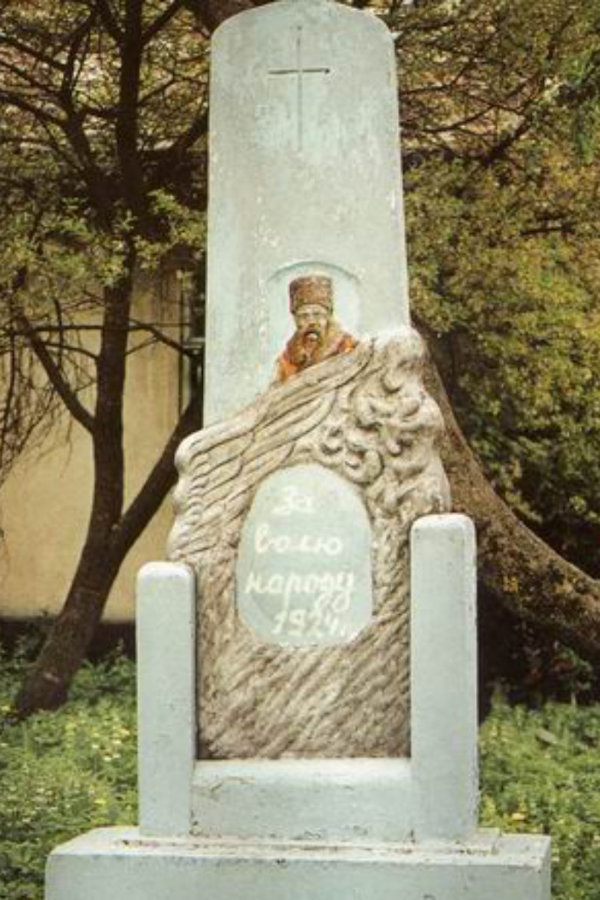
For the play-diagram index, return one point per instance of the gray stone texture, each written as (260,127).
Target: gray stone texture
(304,177)
(366,418)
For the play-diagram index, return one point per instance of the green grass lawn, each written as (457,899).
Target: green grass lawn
(66,772)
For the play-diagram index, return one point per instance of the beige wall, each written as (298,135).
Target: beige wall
(45,503)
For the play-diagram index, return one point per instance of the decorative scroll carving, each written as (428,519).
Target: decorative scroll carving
(366,416)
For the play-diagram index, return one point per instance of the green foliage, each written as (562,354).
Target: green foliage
(63,773)
(66,772)
(501,117)
(97,184)
(500,105)
(540,773)
(181,227)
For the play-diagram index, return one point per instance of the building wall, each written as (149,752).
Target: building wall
(45,503)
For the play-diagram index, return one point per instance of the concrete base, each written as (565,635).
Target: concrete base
(118,864)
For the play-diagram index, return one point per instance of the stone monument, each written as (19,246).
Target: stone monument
(307,683)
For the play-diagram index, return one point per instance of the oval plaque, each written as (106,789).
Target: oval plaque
(303,572)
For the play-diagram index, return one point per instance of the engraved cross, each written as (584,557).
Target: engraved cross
(299,72)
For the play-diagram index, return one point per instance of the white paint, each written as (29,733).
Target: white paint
(115,864)
(265,540)
(444,676)
(284,204)
(303,575)
(318,800)
(324,829)
(166,610)
(433,795)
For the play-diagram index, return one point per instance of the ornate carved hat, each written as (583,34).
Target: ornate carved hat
(311,289)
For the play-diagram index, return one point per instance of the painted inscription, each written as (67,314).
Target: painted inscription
(304,565)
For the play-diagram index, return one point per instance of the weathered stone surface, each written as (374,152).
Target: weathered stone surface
(304,177)
(114,863)
(366,417)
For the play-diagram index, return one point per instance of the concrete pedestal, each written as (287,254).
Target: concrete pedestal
(311,829)
(119,864)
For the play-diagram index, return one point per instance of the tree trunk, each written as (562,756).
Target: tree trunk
(516,568)
(47,683)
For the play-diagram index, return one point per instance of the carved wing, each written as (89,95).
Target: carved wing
(366,416)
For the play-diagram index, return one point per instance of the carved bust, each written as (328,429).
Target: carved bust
(317,336)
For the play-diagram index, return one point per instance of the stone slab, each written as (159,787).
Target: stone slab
(304,561)
(430,795)
(117,864)
(444,676)
(165,631)
(326,800)
(304,178)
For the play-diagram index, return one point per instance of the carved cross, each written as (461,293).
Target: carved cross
(299,72)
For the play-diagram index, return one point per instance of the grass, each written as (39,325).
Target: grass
(540,772)
(66,772)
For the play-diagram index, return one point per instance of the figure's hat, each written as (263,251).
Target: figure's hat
(311,289)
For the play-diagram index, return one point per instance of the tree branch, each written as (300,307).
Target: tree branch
(159,336)
(77,39)
(127,119)
(171,156)
(55,376)
(159,482)
(19,102)
(93,176)
(161,20)
(15,44)
(518,569)
(109,21)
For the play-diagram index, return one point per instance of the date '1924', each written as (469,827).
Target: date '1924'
(303,571)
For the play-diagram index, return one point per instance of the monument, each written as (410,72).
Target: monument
(306,659)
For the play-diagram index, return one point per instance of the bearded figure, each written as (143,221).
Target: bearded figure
(318,336)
